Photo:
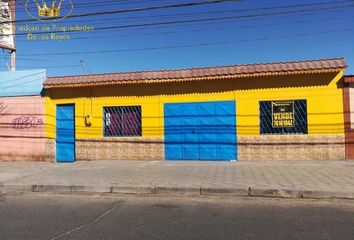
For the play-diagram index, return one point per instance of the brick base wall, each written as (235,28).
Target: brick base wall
(250,148)
(291,147)
(133,148)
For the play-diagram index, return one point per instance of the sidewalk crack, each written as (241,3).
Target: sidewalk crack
(99,218)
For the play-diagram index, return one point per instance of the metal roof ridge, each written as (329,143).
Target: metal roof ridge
(201,68)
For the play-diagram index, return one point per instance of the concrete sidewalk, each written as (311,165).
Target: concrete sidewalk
(298,179)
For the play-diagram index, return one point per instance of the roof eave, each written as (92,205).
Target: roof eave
(264,74)
(349,80)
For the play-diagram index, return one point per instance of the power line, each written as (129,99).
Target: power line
(23,77)
(99,4)
(182,5)
(21,3)
(163,16)
(204,19)
(23,83)
(193,30)
(191,45)
(208,12)
(30,59)
(108,3)
(128,50)
(101,35)
(33,67)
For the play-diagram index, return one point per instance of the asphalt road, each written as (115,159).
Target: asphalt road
(88,217)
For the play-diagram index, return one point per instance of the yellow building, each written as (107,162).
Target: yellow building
(274,111)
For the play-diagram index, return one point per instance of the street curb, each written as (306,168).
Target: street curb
(327,194)
(208,191)
(16,187)
(277,193)
(133,190)
(241,191)
(91,189)
(51,188)
(177,190)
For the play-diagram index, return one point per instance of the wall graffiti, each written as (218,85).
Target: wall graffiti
(22,131)
(25,122)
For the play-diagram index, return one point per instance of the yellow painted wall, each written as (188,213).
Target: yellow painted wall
(323,95)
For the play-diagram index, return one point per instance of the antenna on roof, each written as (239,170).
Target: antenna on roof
(84,66)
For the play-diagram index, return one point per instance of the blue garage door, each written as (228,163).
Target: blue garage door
(200,131)
(65,140)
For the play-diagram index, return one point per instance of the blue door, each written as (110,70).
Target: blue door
(200,131)
(65,137)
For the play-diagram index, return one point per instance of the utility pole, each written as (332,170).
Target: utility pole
(7,30)
(13,51)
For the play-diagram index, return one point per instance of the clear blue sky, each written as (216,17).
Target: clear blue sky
(322,30)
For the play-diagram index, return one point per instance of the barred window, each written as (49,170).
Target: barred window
(122,121)
(283,117)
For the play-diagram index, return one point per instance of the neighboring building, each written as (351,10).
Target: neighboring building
(348,96)
(22,115)
(272,111)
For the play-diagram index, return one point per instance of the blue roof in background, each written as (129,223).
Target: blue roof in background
(22,83)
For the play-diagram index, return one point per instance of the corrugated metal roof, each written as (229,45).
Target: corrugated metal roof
(196,73)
